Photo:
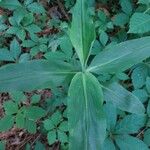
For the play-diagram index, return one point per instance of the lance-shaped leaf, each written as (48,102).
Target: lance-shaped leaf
(82,31)
(123,99)
(87,123)
(127,142)
(32,75)
(121,56)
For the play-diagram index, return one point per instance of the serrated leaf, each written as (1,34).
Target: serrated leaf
(27,19)
(62,137)
(5,55)
(12,30)
(147,137)
(6,123)
(122,76)
(36,8)
(33,28)
(20,120)
(9,4)
(66,46)
(15,49)
(51,136)
(28,43)
(89,121)
(21,34)
(34,112)
(120,19)
(10,107)
(127,142)
(139,75)
(18,96)
(82,22)
(30,126)
(121,57)
(56,118)
(126,6)
(49,125)
(141,94)
(139,23)
(123,99)
(19,14)
(104,38)
(63,126)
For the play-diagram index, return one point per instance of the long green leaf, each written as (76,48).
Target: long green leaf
(87,123)
(82,31)
(32,75)
(127,142)
(122,56)
(123,99)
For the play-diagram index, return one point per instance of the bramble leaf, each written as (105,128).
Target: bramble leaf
(139,23)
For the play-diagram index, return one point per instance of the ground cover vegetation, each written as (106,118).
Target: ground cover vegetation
(75,75)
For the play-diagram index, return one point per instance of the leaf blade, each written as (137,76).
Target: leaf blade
(124,142)
(81,22)
(87,119)
(123,99)
(139,23)
(11,5)
(121,56)
(33,75)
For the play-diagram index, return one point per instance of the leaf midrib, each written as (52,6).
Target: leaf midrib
(86,110)
(103,64)
(30,74)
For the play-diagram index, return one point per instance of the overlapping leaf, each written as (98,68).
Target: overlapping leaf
(123,99)
(128,142)
(9,4)
(33,75)
(139,23)
(121,56)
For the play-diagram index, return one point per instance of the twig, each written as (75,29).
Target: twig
(36,139)
(6,135)
(141,132)
(24,142)
(63,10)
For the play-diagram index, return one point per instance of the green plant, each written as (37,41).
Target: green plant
(86,117)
